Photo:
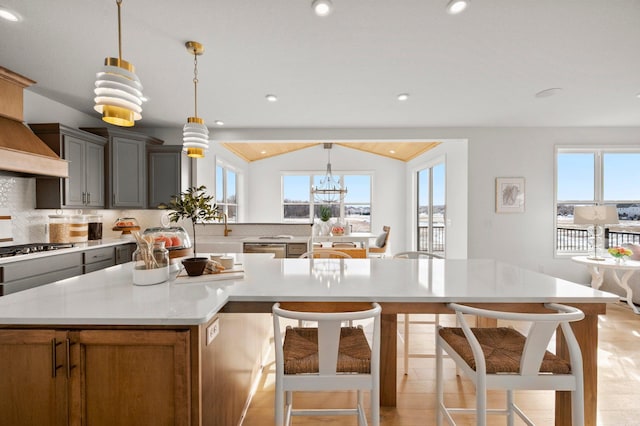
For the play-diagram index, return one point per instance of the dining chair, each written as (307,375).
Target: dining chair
(407,317)
(380,247)
(503,358)
(327,357)
(324,254)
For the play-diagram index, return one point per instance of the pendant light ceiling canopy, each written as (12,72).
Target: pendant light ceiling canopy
(195,134)
(118,89)
(329,190)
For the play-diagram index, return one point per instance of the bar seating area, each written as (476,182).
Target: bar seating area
(417,397)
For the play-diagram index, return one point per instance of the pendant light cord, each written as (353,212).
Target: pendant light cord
(195,83)
(119,2)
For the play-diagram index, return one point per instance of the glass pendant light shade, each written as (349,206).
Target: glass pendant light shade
(118,93)
(118,89)
(195,136)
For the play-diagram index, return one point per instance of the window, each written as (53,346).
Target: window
(596,177)
(226,192)
(299,206)
(431,209)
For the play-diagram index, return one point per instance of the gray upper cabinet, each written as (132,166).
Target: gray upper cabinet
(168,175)
(126,170)
(85,153)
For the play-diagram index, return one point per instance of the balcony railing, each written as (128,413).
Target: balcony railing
(568,240)
(438,239)
(572,240)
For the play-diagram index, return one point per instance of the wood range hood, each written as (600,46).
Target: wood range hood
(21,151)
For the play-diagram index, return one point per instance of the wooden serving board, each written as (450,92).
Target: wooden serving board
(231,274)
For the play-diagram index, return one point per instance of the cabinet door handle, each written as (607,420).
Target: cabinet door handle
(84,198)
(88,198)
(69,366)
(54,362)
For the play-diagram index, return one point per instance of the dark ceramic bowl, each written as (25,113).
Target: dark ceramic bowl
(195,265)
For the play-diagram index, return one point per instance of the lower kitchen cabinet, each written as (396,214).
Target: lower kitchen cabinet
(126,376)
(130,377)
(95,377)
(31,395)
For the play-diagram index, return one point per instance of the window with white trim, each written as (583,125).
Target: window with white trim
(299,206)
(596,176)
(226,192)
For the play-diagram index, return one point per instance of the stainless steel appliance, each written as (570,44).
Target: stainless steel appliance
(16,250)
(278,249)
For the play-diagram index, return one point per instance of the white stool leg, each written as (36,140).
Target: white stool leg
(510,403)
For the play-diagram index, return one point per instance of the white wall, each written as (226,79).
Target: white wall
(388,201)
(525,239)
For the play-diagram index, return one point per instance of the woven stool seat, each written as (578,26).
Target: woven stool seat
(502,348)
(301,351)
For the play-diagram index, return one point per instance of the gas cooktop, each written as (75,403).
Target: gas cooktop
(16,250)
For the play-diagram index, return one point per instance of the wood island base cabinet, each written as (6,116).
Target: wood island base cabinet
(130,376)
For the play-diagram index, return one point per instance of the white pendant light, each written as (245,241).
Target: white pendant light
(329,190)
(195,135)
(118,89)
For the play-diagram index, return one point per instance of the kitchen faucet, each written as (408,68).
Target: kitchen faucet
(226,229)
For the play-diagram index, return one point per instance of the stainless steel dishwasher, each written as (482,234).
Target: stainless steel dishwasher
(278,249)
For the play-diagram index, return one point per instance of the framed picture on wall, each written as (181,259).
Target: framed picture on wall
(509,195)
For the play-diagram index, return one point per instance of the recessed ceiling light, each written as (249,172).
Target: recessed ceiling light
(403,96)
(322,7)
(272,98)
(548,92)
(456,6)
(219,123)
(263,152)
(391,151)
(9,14)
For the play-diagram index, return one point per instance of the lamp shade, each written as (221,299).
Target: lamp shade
(595,215)
(195,136)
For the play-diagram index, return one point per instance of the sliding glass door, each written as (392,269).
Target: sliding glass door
(431,213)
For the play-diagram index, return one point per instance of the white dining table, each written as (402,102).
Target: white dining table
(363,238)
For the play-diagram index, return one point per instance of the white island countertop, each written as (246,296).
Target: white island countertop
(108,296)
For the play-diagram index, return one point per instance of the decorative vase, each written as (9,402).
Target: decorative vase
(324,228)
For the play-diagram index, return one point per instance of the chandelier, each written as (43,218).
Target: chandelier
(195,135)
(118,89)
(329,190)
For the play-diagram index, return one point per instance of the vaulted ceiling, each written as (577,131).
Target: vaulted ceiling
(403,151)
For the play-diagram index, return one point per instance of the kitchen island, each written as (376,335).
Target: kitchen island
(102,318)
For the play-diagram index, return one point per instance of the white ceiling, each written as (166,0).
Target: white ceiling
(480,68)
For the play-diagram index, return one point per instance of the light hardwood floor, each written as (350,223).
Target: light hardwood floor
(618,385)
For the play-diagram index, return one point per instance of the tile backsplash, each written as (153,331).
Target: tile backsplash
(30,225)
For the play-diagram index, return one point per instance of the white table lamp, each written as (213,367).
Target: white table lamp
(596,216)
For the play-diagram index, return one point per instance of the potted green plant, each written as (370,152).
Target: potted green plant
(196,205)
(325,215)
